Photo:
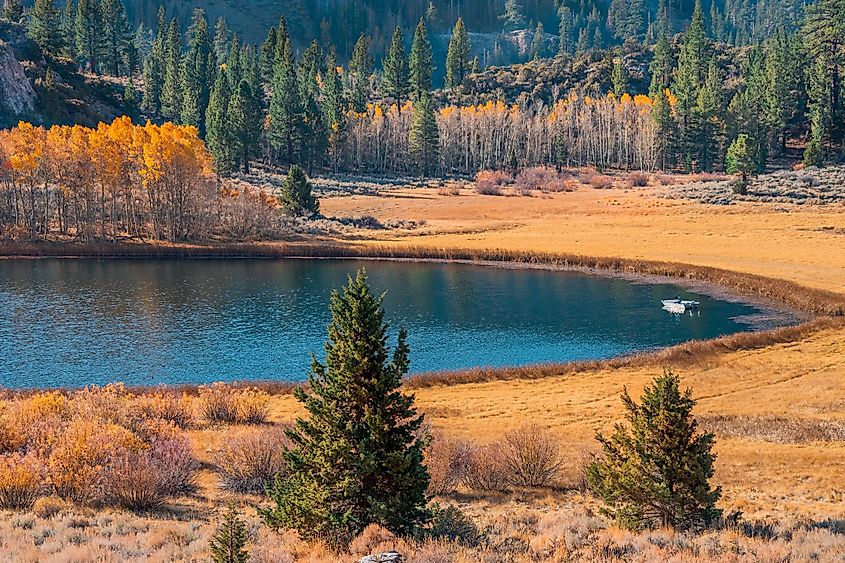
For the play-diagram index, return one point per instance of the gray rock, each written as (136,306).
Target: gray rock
(386,557)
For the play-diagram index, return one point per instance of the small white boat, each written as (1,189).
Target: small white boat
(680,306)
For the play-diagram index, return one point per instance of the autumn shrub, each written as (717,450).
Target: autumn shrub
(22,480)
(221,403)
(449,190)
(544,179)
(601,182)
(638,179)
(446,460)
(484,469)
(491,182)
(250,460)
(253,406)
(47,507)
(169,407)
(372,539)
(530,456)
(144,478)
(81,456)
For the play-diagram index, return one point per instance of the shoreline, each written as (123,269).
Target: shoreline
(811,310)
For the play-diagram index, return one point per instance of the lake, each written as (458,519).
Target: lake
(144,322)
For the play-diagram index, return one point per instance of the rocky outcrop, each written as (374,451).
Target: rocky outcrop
(17,97)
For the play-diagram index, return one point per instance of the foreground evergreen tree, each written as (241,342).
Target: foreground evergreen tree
(229,541)
(457,57)
(296,197)
(619,76)
(394,78)
(424,136)
(357,458)
(171,88)
(116,37)
(656,472)
(154,69)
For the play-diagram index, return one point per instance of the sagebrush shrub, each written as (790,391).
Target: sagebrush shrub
(601,182)
(22,480)
(452,524)
(491,182)
(145,478)
(221,403)
(484,470)
(638,179)
(47,507)
(177,409)
(250,460)
(446,460)
(530,456)
(372,539)
(81,457)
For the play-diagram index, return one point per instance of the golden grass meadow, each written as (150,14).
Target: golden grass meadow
(776,402)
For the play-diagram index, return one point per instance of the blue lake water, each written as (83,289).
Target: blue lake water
(80,322)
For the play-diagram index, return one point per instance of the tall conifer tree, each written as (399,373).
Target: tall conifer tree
(357,457)
(395,82)
(420,63)
(457,57)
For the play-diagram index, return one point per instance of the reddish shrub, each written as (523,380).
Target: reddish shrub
(638,179)
(22,480)
(484,469)
(601,182)
(250,460)
(446,461)
(531,456)
(490,182)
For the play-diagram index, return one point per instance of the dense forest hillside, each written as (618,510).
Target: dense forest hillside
(592,23)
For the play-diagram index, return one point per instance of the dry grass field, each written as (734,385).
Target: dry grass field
(778,409)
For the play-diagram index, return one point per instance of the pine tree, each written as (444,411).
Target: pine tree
(619,76)
(217,134)
(45,26)
(200,65)
(222,39)
(69,29)
(116,35)
(286,113)
(314,137)
(740,160)
(13,11)
(89,34)
(334,110)
(171,89)
(244,124)
(268,56)
(708,121)
(513,16)
(660,67)
(457,57)
(360,69)
(424,137)
(420,63)
(689,78)
(154,69)
(394,78)
(782,87)
(357,459)
(295,196)
(130,97)
(656,472)
(820,93)
(538,43)
(661,112)
(229,541)
(565,28)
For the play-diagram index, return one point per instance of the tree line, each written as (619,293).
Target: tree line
(271,103)
(118,180)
